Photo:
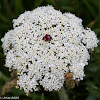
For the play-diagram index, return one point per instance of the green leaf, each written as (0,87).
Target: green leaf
(67,8)
(99,9)
(36,4)
(3,18)
(0,5)
(91,97)
(2,76)
(89,7)
(18,7)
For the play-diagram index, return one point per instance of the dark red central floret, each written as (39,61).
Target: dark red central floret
(47,38)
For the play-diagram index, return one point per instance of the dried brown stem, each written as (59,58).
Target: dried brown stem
(92,23)
(12,82)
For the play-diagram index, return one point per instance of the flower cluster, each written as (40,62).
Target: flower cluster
(44,44)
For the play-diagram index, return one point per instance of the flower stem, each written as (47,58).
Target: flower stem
(42,96)
(62,94)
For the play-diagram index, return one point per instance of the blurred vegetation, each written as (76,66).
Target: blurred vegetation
(89,11)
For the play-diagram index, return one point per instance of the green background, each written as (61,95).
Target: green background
(89,11)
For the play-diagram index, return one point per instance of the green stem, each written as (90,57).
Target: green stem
(42,96)
(62,94)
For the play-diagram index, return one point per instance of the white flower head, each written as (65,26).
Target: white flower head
(44,44)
